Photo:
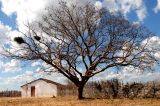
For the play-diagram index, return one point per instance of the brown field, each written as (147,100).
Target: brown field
(72,101)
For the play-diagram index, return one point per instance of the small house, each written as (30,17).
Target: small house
(41,88)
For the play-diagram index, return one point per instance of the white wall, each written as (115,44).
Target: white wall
(42,89)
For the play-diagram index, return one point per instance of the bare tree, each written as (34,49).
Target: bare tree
(81,41)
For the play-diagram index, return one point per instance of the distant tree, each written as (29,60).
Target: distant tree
(135,89)
(126,90)
(114,87)
(11,93)
(82,41)
(152,92)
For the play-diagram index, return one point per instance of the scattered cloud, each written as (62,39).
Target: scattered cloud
(4,31)
(14,83)
(157,8)
(98,5)
(153,43)
(10,67)
(129,74)
(7,37)
(35,64)
(111,5)
(126,6)
(26,10)
(141,13)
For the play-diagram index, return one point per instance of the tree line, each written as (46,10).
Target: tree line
(115,89)
(11,93)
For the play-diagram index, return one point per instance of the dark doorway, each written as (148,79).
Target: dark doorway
(32,91)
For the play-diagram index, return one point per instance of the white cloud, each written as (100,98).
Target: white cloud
(153,43)
(7,37)
(126,6)
(26,10)
(98,5)
(129,74)
(157,8)
(14,83)
(29,10)
(35,64)
(111,5)
(157,55)
(10,67)
(141,13)
(4,31)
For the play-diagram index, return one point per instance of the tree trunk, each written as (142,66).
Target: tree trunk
(80,92)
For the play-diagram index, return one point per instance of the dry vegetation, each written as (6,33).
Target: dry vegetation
(73,101)
(114,89)
(12,93)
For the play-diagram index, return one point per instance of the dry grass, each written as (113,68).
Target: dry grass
(72,101)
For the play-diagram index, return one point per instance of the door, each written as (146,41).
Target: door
(32,91)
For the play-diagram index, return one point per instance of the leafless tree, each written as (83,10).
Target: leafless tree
(82,41)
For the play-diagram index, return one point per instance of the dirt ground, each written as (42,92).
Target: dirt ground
(73,101)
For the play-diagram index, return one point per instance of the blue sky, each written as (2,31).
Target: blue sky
(152,19)
(15,13)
